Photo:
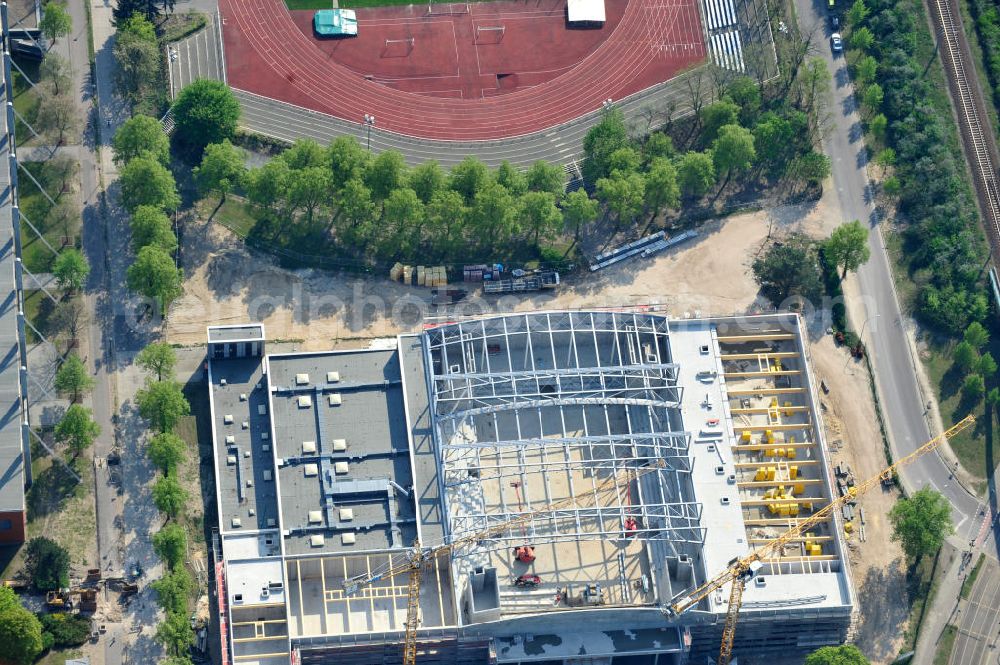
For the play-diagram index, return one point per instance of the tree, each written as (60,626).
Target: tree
(386,173)
(57,72)
(862,39)
(70,269)
(167,450)
(715,116)
(878,125)
(56,21)
(140,136)
(846,654)
(151,227)
(789,269)
(865,69)
(624,194)
(493,215)
(267,186)
(222,168)
(64,215)
(205,112)
(976,335)
(973,387)
(170,544)
(857,13)
(921,522)
(57,116)
(775,142)
(892,187)
(8,599)
(148,9)
(77,429)
(624,160)
(427,179)
(169,496)
(173,589)
(539,215)
(69,318)
(733,151)
(468,177)
(661,186)
(695,174)
(745,93)
(993,398)
(72,377)
(511,178)
(847,247)
(965,356)
(158,358)
(349,161)
(545,177)
(21,635)
(64,630)
(154,275)
(137,54)
(600,142)
(872,98)
(658,144)
(578,209)
(309,190)
(987,366)
(811,167)
(405,211)
(145,181)
(175,633)
(46,562)
(163,404)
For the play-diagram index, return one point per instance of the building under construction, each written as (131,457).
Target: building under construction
(639,455)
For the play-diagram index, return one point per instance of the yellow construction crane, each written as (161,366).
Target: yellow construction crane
(412,562)
(743,570)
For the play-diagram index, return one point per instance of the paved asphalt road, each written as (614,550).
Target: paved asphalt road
(878,313)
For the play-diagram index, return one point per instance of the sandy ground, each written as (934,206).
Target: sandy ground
(225,284)
(877,565)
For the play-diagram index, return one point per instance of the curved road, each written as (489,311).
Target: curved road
(877,311)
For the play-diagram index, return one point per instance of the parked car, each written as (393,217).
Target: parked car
(836,42)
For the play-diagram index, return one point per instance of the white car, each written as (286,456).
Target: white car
(836,42)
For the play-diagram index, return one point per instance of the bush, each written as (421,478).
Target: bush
(47,564)
(67,630)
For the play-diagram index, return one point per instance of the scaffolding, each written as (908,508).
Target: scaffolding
(534,408)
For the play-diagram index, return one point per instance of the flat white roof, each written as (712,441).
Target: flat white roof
(586,11)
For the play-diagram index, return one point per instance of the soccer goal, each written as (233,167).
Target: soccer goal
(490,34)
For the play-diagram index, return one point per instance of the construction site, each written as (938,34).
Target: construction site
(553,487)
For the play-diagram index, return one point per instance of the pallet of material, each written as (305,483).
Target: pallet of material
(534,282)
(625,251)
(667,243)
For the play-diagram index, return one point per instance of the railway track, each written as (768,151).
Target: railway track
(980,145)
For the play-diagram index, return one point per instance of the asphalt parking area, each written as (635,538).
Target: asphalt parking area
(196,57)
(979,624)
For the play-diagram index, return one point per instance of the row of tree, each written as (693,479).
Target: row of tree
(162,403)
(944,245)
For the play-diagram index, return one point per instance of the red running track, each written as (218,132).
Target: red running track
(267,53)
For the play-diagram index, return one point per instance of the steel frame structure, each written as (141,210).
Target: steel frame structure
(607,382)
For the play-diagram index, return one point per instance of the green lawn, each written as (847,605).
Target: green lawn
(56,176)
(976,448)
(922,581)
(970,581)
(945,645)
(38,307)
(25,99)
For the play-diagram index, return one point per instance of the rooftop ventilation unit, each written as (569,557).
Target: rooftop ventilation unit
(301,379)
(334,399)
(308,447)
(305,401)
(311,470)
(333,377)
(339,445)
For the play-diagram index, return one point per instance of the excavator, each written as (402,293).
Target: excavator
(738,573)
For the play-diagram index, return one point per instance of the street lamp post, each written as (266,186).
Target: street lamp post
(370,122)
